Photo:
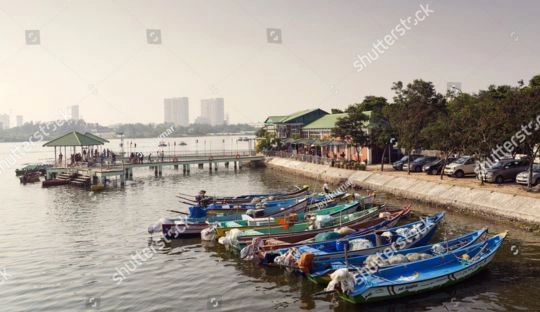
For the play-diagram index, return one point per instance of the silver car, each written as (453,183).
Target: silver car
(523,177)
(504,170)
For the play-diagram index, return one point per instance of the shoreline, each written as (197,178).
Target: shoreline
(519,210)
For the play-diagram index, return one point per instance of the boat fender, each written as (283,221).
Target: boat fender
(306,262)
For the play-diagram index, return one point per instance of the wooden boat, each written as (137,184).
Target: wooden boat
(255,223)
(425,275)
(414,234)
(250,197)
(185,227)
(54,182)
(30,177)
(320,271)
(41,168)
(369,222)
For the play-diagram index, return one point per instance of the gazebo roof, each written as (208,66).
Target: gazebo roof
(95,137)
(73,138)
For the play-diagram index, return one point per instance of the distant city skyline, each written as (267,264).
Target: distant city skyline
(264,58)
(213,110)
(176,111)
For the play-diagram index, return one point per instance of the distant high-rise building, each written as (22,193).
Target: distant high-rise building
(75,112)
(213,110)
(176,111)
(4,120)
(19,121)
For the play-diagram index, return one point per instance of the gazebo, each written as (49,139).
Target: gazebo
(73,139)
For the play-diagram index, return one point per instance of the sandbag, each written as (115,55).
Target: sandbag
(360,244)
(397,259)
(416,256)
(344,231)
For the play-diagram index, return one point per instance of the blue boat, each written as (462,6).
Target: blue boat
(424,275)
(321,270)
(406,236)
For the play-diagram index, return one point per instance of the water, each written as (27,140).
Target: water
(61,248)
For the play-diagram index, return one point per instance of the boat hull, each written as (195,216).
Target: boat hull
(384,293)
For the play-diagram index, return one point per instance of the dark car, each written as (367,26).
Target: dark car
(398,165)
(505,170)
(436,166)
(418,163)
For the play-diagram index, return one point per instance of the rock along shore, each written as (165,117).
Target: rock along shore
(514,208)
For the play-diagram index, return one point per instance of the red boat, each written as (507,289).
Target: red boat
(54,182)
(30,177)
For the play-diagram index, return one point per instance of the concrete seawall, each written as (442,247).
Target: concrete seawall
(478,201)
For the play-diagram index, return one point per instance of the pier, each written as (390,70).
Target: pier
(122,168)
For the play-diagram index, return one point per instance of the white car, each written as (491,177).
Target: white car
(463,166)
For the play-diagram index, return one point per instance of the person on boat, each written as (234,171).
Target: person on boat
(326,189)
(202,199)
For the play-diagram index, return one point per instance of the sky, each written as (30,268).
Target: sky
(98,54)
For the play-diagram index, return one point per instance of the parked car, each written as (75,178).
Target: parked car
(523,177)
(504,170)
(463,166)
(418,163)
(436,166)
(398,165)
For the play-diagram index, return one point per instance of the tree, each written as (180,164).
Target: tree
(416,106)
(351,127)
(336,111)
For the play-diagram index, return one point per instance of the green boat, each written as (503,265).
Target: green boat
(305,226)
(257,223)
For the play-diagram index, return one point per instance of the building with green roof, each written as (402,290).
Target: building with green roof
(291,125)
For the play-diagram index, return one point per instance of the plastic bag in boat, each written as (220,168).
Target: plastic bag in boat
(416,256)
(252,250)
(231,238)
(209,234)
(397,259)
(438,249)
(342,278)
(375,261)
(404,232)
(286,259)
(360,244)
(344,231)
(320,221)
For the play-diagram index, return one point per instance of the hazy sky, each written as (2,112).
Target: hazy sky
(96,54)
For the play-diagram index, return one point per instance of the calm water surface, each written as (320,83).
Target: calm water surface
(61,247)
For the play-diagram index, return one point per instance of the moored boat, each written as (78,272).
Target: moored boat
(249,223)
(369,222)
(406,236)
(424,275)
(320,271)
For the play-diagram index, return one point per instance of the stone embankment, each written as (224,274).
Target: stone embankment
(512,207)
